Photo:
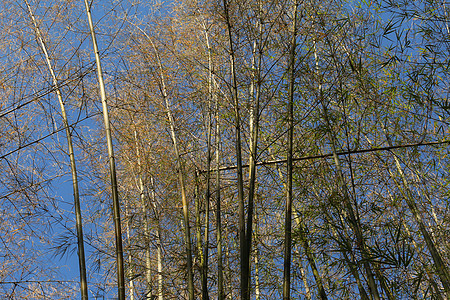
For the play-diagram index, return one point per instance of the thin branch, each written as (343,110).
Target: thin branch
(327,155)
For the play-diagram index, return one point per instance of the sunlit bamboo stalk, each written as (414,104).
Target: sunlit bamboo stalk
(76,194)
(112,163)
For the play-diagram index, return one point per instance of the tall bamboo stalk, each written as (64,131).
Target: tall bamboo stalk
(303,229)
(220,285)
(244,263)
(76,194)
(205,295)
(180,171)
(310,255)
(254,134)
(289,191)
(112,164)
(131,287)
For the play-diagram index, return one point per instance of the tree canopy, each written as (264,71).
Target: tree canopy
(224,149)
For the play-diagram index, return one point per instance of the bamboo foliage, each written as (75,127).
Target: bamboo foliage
(304,142)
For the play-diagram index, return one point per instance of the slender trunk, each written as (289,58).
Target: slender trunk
(205,295)
(425,264)
(256,258)
(349,214)
(206,233)
(310,255)
(418,249)
(187,234)
(289,191)
(230,273)
(148,277)
(198,229)
(130,259)
(220,285)
(245,272)
(305,243)
(257,287)
(254,133)
(383,283)
(407,230)
(76,194)
(112,164)
(158,245)
(148,262)
(351,263)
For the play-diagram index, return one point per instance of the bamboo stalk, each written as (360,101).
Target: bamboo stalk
(76,194)
(112,163)
(205,295)
(220,285)
(244,263)
(289,164)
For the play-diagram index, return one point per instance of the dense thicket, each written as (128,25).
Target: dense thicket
(231,120)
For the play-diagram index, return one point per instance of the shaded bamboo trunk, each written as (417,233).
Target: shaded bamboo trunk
(383,282)
(243,247)
(198,225)
(205,295)
(256,261)
(405,226)
(352,265)
(418,249)
(306,248)
(289,164)
(159,262)
(257,286)
(148,265)
(310,255)
(180,175)
(253,143)
(220,283)
(112,164)
(180,171)
(76,194)
(349,213)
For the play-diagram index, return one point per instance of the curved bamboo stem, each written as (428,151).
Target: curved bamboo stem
(112,163)
(76,194)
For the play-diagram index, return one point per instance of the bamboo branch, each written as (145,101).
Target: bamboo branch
(330,155)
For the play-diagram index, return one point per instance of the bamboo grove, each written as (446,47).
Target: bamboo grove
(227,149)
